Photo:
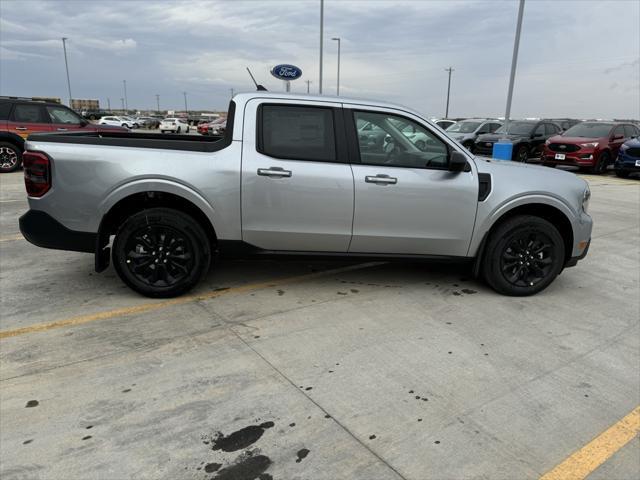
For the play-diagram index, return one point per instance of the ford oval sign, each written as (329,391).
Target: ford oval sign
(286,72)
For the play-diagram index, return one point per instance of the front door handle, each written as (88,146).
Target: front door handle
(21,128)
(276,172)
(381,180)
(62,130)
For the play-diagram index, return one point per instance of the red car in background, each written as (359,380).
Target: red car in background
(592,145)
(203,128)
(20,117)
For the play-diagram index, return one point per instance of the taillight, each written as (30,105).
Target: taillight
(37,173)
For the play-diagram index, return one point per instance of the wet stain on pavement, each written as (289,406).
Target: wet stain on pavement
(27,442)
(247,467)
(468,291)
(457,294)
(372,437)
(126,390)
(240,439)
(353,290)
(280,293)
(292,424)
(32,403)
(342,293)
(302,454)
(212,467)
(87,437)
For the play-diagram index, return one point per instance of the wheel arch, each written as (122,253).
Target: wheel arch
(552,213)
(10,137)
(118,211)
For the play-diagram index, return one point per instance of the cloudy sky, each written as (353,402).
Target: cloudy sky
(578,58)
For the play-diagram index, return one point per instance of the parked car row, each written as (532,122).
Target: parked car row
(20,117)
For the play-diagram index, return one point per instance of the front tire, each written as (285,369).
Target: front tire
(601,164)
(523,256)
(161,252)
(10,157)
(522,154)
(178,130)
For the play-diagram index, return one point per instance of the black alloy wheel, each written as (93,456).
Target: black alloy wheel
(527,258)
(159,256)
(523,255)
(522,154)
(161,252)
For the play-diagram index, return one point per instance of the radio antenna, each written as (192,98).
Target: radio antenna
(260,88)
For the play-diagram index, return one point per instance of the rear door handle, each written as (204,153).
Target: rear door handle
(21,128)
(381,180)
(276,172)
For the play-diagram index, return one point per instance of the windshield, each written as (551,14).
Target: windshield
(464,127)
(517,128)
(589,130)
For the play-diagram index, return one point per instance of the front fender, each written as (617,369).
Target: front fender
(488,215)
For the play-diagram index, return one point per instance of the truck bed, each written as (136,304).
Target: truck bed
(193,143)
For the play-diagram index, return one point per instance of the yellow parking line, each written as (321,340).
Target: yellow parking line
(147,307)
(597,451)
(11,238)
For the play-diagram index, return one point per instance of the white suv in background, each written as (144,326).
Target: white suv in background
(175,125)
(117,121)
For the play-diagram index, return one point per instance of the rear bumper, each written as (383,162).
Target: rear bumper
(43,230)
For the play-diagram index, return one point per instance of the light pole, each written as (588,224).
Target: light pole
(321,41)
(514,62)
(108,104)
(338,84)
(186,109)
(126,103)
(66,65)
(308,83)
(122,100)
(446,115)
(232,92)
(158,102)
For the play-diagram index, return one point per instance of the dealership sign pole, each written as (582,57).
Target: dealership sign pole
(66,65)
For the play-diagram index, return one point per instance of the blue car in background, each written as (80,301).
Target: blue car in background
(628,160)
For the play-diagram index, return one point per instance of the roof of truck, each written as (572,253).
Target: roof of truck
(246,96)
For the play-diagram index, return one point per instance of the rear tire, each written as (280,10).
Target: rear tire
(161,252)
(10,157)
(523,256)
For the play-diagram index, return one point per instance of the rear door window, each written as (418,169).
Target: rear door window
(29,113)
(5,108)
(297,132)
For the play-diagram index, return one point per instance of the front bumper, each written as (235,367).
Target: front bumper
(43,230)
(573,261)
(579,158)
(626,163)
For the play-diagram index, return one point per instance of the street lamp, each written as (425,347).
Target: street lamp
(126,103)
(122,100)
(321,41)
(66,65)
(450,69)
(337,39)
(186,109)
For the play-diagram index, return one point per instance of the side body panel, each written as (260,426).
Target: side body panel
(309,209)
(89,179)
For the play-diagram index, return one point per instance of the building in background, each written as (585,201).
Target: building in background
(80,104)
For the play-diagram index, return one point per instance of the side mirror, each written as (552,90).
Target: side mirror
(457,161)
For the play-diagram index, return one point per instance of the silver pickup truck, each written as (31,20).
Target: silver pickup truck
(294,175)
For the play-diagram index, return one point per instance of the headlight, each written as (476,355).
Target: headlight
(586,196)
(589,145)
(547,142)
